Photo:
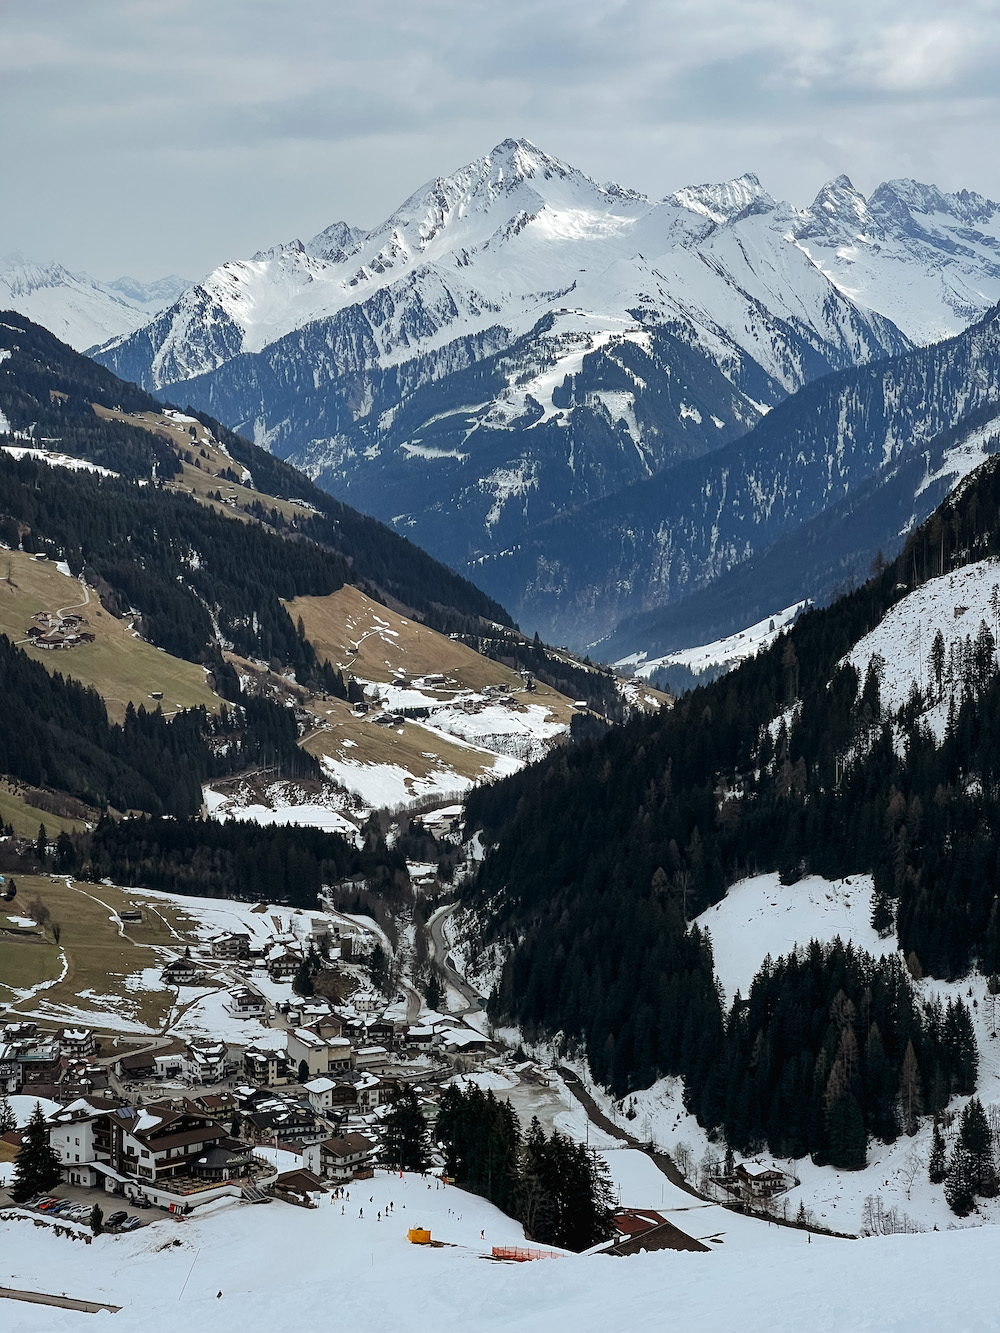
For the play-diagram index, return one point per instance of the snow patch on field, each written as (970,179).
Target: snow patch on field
(281,809)
(523,733)
(388,785)
(56,459)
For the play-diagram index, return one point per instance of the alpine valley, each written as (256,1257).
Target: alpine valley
(322,869)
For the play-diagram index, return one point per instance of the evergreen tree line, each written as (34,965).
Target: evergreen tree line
(231,859)
(604,851)
(829,1048)
(559,1190)
(47,390)
(185,568)
(55,732)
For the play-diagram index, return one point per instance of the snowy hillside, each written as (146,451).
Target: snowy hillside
(725,653)
(760,917)
(242,1268)
(955,606)
(78,309)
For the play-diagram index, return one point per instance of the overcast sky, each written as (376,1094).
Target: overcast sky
(158,136)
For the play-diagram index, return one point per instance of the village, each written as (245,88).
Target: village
(177,1128)
(285,1100)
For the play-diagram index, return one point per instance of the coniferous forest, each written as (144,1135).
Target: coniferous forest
(231,859)
(559,1189)
(604,852)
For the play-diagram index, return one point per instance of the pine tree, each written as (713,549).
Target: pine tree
(96,1219)
(37,1167)
(959,1183)
(909,1090)
(8,1121)
(404,1134)
(974,1134)
(302,982)
(937,1166)
(538,1207)
(960,1042)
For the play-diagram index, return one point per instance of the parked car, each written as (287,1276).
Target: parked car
(130,1224)
(39,1200)
(115,1219)
(48,1205)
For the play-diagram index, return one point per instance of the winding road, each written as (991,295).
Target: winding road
(440,957)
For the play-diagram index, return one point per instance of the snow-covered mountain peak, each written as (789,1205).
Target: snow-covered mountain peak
(839,213)
(282,250)
(725,201)
(335,242)
(914,209)
(515,180)
(28,276)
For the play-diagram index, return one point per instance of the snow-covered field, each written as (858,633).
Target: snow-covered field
(523,733)
(761,916)
(282,809)
(388,785)
(243,1269)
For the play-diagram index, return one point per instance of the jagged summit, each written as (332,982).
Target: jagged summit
(903,200)
(839,211)
(334,243)
(725,201)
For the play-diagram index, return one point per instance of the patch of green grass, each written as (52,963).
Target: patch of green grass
(26,961)
(122,668)
(25,818)
(99,958)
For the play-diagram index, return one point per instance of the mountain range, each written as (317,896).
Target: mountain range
(517,342)
(77,308)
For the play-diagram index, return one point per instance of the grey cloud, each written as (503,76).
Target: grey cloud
(272,117)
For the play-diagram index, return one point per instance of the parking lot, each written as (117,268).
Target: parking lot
(77,1203)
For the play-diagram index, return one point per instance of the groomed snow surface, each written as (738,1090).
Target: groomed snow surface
(245,1269)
